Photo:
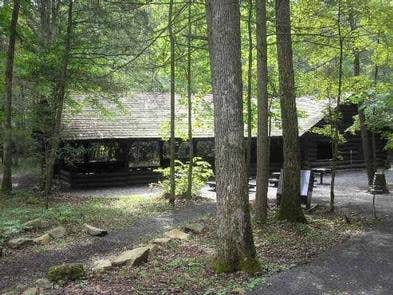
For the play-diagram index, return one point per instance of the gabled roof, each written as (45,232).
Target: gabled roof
(145,115)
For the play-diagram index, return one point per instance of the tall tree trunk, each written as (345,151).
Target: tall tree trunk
(6,185)
(364,133)
(60,91)
(335,142)
(249,86)
(189,98)
(235,250)
(172,127)
(263,144)
(290,208)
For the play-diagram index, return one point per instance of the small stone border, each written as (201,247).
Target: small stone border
(133,257)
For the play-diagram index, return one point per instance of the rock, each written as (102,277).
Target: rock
(57,232)
(161,241)
(18,243)
(134,257)
(239,291)
(195,228)
(66,272)
(31,291)
(152,247)
(101,265)
(42,240)
(43,283)
(177,234)
(34,224)
(95,231)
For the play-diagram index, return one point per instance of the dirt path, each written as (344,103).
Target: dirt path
(26,268)
(360,266)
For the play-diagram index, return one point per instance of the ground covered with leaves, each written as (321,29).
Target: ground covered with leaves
(185,266)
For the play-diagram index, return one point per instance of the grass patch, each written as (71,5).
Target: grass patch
(72,212)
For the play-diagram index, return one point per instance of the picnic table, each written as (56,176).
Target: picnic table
(321,172)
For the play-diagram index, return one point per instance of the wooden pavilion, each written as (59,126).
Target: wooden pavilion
(122,142)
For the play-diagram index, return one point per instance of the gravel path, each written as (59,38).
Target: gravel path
(360,266)
(25,268)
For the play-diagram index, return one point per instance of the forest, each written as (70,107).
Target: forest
(212,92)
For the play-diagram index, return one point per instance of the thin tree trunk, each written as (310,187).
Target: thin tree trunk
(373,139)
(335,119)
(189,98)
(235,250)
(172,127)
(6,185)
(374,147)
(263,145)
(249,87)
(366,146)
(290,208)
(59,98)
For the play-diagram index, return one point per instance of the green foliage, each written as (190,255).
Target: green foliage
(201,173)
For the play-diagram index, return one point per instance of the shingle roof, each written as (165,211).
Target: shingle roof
(145,115)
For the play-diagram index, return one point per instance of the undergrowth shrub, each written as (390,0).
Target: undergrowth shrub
(201,173)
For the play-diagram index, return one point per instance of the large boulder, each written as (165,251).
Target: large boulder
(95,231)
(66,272)
(133,257)
(18,243)
(177,234)
(57,232)
(101,265)
(42,240)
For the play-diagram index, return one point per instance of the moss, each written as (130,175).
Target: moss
(294,216)
(221,265)
(66,272)
(250,265)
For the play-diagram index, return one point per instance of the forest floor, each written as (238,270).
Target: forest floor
(363,265)
(180,266)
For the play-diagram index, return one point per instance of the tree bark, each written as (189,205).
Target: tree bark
(290,208)
(189,98)
(235,250)
(263,142)
(60,91)
(249,86)
(172,124)
(6,185)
